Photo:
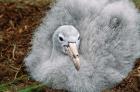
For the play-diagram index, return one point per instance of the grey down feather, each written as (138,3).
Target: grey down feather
(109,44)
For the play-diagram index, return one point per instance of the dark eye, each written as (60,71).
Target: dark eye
(79,38)
(115,22)
(61,39)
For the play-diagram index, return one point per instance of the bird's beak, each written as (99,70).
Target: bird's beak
(74,55)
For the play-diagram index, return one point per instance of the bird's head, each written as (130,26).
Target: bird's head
(66,40)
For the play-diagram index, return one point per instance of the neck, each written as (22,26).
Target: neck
(56,55)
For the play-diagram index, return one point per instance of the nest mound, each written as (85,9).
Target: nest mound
(17,25)
(16,28)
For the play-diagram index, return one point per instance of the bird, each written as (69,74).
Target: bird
(85,45)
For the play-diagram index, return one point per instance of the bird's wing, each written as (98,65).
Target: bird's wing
(114,30)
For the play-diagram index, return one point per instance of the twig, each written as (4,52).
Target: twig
(17,69)
(17,72)
(1,54)
(13,52)
(1,16)
(12,24)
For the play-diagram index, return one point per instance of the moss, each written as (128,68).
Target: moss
(137,2)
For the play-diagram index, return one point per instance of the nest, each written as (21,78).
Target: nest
(18,22)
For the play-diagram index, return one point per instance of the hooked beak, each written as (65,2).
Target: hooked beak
(74,55)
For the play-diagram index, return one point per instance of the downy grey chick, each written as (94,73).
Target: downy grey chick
(85,45)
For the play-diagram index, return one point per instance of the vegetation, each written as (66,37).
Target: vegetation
(137,2)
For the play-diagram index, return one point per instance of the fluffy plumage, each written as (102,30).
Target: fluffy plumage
(110,43)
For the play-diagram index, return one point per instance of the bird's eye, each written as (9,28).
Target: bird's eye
(115,22)
(79,38)
(61,39)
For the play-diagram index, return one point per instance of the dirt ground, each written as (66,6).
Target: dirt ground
(16,27)
(17,24)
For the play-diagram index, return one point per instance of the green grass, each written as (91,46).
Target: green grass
(31,88)
(137,2)
(3,87)
(15,86)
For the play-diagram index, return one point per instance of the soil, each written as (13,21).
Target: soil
(17,24)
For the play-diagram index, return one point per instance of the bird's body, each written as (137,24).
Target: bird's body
(108,46)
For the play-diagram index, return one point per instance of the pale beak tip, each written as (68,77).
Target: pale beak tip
(77,68)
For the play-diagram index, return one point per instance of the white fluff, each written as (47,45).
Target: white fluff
(110,43)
